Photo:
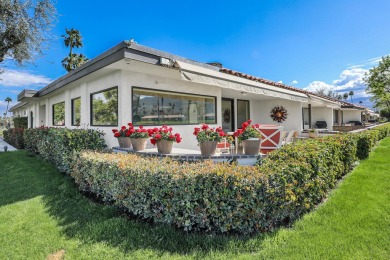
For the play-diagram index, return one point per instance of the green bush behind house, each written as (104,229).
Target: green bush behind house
(20,122)
(210,197)
(14,137)
(57,145)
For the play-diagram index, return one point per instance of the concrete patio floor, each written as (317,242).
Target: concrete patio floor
(3,143)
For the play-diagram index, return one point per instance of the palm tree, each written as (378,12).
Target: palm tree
(74,61)
(345,96)
(73,39)
(8,100)
(351,94)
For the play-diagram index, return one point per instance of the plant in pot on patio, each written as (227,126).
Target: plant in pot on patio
(139,137)
(164,138)
(123,136)
(208,138)
(250,137)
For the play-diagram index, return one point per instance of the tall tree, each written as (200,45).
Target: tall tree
(73,39)
(25,28)
(378,83)
(345,96)
(8,100)
(351,94)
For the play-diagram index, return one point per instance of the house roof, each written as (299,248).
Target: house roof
(132,50)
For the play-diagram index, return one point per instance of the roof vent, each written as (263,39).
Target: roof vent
(216,64)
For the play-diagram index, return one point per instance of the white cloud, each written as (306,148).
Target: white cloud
(368,63)
(294,82)
(19,78)
(280,81)
(315,85)
(349,80)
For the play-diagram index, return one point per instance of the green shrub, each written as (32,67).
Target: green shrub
(57,145)
(365,142)
(14,137)
(204,196)
(20,122)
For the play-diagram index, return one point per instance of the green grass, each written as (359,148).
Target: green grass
(41,212)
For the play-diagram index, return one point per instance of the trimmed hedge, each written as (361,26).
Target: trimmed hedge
(221,198)
(14,137)
(58,145)
(20,122)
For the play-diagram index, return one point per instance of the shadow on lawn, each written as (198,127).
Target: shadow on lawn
(90,222)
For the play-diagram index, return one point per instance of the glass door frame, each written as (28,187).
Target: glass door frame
(233,119)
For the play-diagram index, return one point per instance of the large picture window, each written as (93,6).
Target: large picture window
(104,108)
(76,111)
(153,107)
(59,114)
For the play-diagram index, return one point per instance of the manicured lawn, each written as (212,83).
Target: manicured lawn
(42,212)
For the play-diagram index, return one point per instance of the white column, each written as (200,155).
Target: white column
(84,109)
(68,112)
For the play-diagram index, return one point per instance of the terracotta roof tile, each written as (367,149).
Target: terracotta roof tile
(284,86)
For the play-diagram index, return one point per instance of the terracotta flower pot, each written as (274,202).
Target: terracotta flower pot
(139,143)
(164,146)
(208,148)
(124,142)
(313,134)
(251,146)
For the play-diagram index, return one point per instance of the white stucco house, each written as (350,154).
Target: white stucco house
(134,83)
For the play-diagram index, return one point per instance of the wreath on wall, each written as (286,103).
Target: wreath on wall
(226,116)
(279,114)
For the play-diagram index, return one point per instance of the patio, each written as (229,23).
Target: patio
(195,155)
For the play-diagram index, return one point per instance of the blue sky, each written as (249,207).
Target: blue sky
(304,43)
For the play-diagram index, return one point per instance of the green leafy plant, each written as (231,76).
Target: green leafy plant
(248,131)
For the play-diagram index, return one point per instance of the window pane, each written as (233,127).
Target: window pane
(59,114)
(242,112)
(76,111)
(105,108)
(152,107)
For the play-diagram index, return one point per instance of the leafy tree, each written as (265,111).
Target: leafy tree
(385,112)
(24,28)
(324,91)
(8,100)
(378,83)
(105,108)
(345,96)
(351,94)
(73,39)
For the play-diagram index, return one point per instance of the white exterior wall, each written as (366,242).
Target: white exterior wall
(322,114)
(352,115)
(260,113)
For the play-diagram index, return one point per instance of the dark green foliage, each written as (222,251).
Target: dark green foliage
(20,122)
(58,145)
(14,137)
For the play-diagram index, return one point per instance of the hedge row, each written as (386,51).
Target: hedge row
(222,198)
(58,145)
(14,137)
(20,122)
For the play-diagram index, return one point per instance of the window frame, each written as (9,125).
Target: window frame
(249,111)
(175,92)
(52,107)
(72,110)
(91,106)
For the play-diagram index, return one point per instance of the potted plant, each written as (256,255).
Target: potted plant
(208,138)
(123,136)
(139,137)
(313,133)
(250,137)
(164,138)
